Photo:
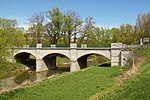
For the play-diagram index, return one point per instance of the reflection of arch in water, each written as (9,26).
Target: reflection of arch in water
(51,59)
(26,59)
(82,60)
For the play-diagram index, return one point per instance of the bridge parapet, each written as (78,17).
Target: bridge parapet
(77,55)
(72,45)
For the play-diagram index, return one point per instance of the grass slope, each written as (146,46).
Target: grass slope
(79,85)
(136,88)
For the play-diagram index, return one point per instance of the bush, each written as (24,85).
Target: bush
(7,68)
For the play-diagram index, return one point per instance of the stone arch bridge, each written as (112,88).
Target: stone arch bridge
(46,57)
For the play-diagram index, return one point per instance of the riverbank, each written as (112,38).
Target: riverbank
(108,83)
(134,84)
(8,69)
(79,85)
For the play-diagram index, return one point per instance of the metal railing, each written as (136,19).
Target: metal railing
(68,46)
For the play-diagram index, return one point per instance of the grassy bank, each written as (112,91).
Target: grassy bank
(8,69)
(135,88)
(79,85)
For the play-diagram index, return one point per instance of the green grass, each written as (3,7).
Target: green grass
(79,85)
(137,87)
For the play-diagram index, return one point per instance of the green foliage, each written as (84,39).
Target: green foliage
(75,86)
(104,36)
(7,69)
(10,36)
(54,26)
(126,33)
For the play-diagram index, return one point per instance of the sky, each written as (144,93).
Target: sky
(106,13)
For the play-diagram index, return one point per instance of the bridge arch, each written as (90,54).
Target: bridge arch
(83,57)
(66,53)
(51,60)
(31,52)
(105,53)
(26,58)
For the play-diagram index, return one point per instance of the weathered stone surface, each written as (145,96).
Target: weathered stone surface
(115,52)
(73,45)
(125,55)
(116,45)
(38,45)
(78,57)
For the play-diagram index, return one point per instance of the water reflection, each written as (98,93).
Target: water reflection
(30,77)
(24,78)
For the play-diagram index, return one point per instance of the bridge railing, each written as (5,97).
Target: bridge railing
(93,45)
(55,46)
(67,46)
(79,46)
(99,45)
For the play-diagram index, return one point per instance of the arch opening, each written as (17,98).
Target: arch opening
(27,59)
(93,59)
(56,61)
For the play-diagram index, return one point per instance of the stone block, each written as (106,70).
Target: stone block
(114,64)
(73,45)
(38,45)
(116,45)
(115,59)
(115,52)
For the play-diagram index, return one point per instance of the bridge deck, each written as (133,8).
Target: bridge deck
(65,48)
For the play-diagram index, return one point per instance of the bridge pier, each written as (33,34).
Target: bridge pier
(74,65)
(40,65)
(116,54)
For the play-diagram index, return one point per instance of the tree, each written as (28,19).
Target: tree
(10,36)
(103,36)
(126,33)
(72,25)
(36,28)
(88,31)
(115,34)
(143,23)
(54,26)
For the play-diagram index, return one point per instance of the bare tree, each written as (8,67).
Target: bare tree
(143,22)
(88,28)
(36,26)
(72,25)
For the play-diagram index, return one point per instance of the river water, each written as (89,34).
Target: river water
(24,78)
(29,77)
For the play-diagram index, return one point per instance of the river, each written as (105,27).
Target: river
(30,77)
(24,78)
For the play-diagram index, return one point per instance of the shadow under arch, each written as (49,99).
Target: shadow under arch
(92,59)
(57,61)
(27,59)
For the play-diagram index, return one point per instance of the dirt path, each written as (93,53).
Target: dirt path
(132,71)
